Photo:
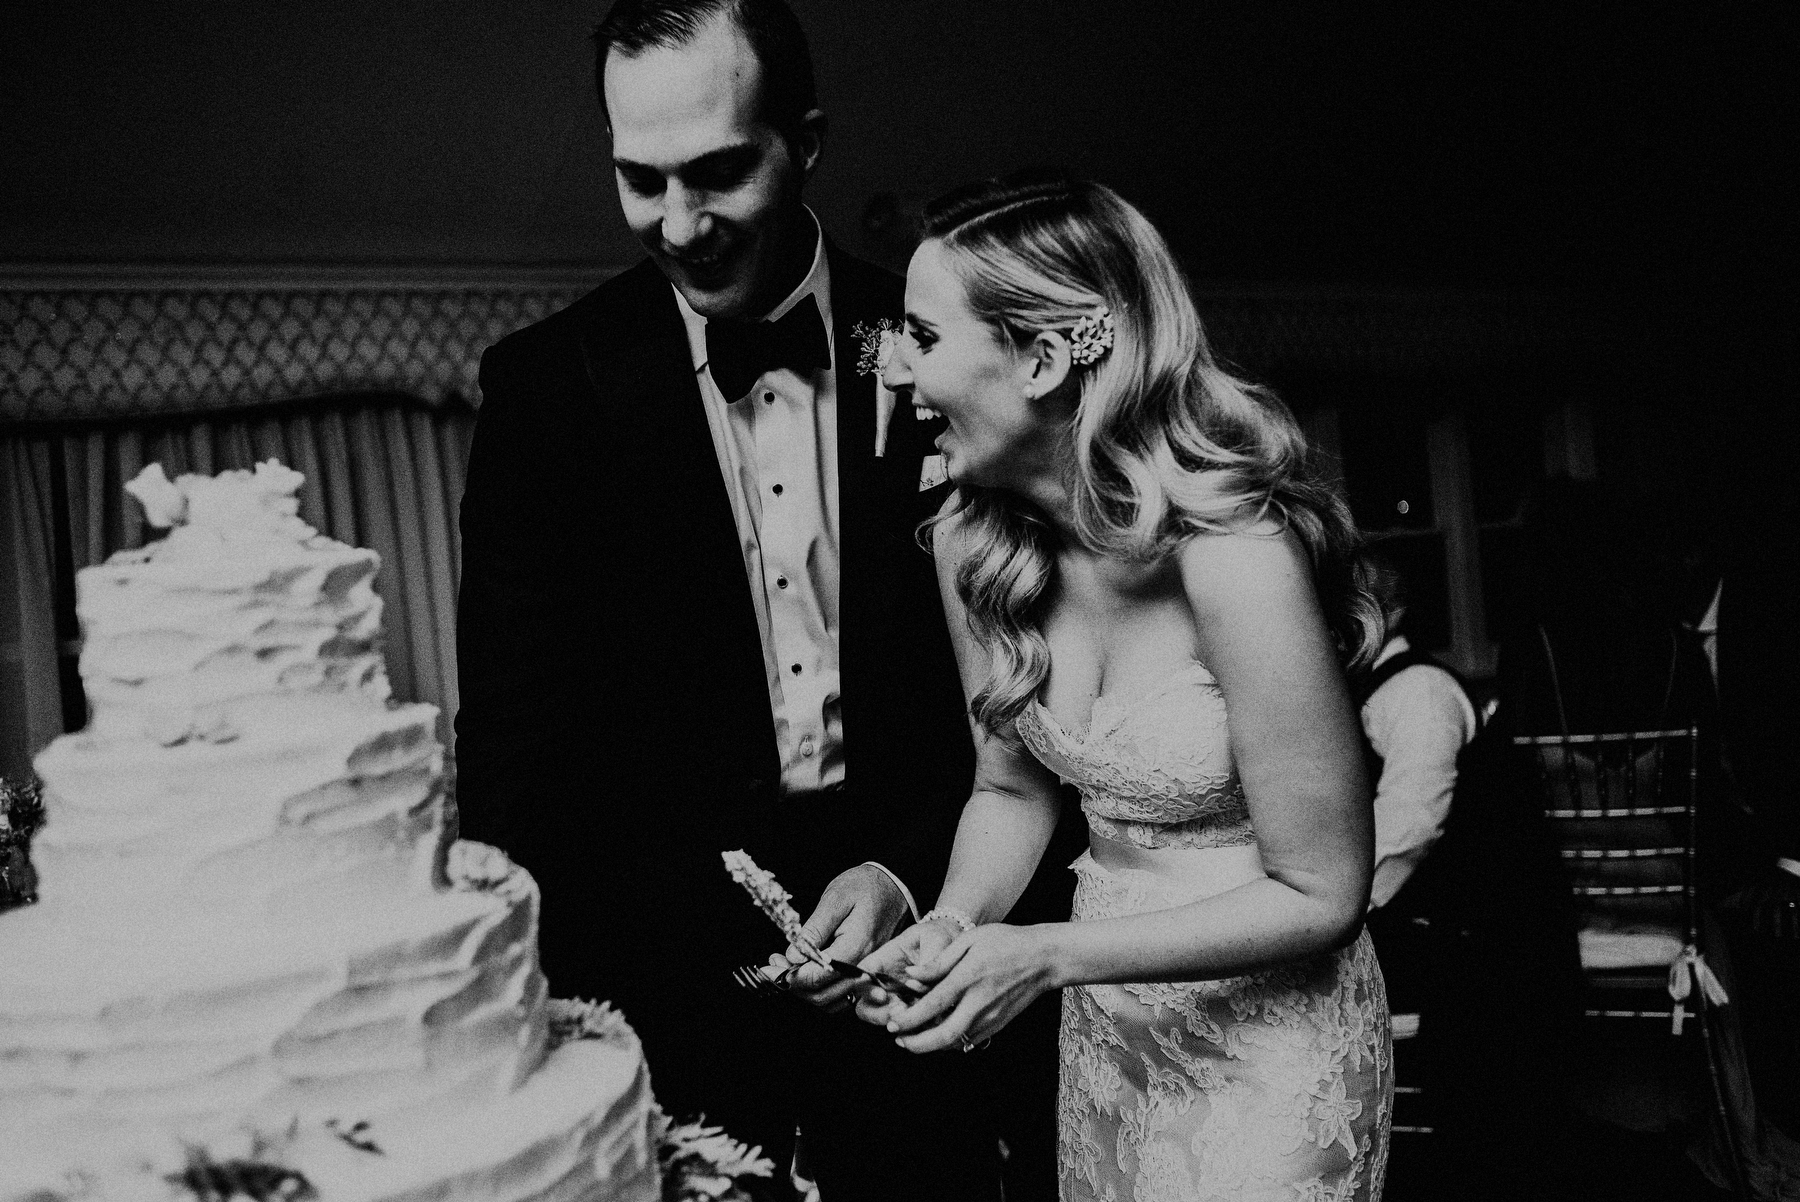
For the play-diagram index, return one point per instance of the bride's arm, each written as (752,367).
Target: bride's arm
(1295,741)
(1294,737)
(1011,812)
(1012,809)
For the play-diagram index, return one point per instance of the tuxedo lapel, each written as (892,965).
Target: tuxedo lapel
(639,358)
(850,306)
(669,495)
(862,295)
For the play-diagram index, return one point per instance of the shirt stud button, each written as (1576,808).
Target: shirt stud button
(795,669)
(776,489)
(781,582)
(768,398)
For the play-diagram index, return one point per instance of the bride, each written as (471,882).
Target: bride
(1153,598)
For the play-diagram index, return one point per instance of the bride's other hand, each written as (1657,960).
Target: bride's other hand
(858,910)
(979,984)
(918,944)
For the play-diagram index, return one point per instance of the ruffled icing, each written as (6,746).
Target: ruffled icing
(256,933)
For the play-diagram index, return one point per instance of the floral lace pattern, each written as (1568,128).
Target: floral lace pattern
(1276,1085)
(1156,770)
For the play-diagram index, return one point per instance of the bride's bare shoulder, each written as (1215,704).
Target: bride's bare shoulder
(1249,563)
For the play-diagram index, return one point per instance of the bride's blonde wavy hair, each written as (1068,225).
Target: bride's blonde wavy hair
(1167,444)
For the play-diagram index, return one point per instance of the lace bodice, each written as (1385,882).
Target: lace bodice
(1155,770)
(1276,1085)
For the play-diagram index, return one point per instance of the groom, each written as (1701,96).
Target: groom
(694,617)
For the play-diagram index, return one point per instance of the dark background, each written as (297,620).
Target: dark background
(1624,163)
(1619,163)
(1567,145)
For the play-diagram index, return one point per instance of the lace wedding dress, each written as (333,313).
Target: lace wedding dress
(1276,1085)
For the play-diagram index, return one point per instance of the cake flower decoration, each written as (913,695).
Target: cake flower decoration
(234,506)
(164,504)
(476,866)
(773,900)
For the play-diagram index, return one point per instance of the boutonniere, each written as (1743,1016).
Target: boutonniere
(877,347)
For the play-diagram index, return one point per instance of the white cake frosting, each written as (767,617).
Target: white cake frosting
(256,933)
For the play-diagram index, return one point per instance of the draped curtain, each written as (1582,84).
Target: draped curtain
(363,384)
(382,471)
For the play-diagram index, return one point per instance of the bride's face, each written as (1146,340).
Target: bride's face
(1001,433)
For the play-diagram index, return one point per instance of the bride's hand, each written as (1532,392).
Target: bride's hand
(918,944)
(980,982)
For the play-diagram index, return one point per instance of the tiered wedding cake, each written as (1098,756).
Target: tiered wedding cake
(260,962)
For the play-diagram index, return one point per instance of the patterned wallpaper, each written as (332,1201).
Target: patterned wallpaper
(119,351)
(112,353)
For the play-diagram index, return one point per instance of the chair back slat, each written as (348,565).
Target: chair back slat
(1622,809)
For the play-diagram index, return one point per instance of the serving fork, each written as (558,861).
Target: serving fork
(755,978)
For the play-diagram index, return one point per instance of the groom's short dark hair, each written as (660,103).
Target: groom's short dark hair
(774,33)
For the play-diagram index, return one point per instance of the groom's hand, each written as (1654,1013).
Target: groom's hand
(859,911)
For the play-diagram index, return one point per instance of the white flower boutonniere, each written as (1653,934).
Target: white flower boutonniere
(877,347)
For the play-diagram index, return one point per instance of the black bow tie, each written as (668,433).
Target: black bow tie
(740,351)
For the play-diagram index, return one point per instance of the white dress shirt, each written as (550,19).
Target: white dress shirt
(777,449)
(1417,722)
(1708,630)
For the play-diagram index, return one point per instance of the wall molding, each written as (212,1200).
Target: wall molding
(88,342)
(157,277)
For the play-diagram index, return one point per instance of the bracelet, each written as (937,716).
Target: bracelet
(956,916)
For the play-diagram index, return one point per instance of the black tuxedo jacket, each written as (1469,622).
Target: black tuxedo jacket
(614,731)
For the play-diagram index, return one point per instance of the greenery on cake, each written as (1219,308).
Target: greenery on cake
(21,814)
(578,1018)
(703,1164)
(21,810)
(355,1134)
(250,1177)
(698,1163)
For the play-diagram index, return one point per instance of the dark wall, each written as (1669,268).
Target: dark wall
(1568,144)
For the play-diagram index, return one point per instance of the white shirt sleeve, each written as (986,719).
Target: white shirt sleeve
(899,884)
(1417,722)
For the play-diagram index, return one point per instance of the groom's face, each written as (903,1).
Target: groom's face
(709,187)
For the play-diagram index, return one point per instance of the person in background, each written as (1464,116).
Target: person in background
(1470,915)
(1416,717)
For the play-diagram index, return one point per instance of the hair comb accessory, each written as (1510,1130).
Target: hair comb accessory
(1092,337)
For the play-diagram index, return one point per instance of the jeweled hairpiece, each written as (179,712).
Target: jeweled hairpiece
(1092,337)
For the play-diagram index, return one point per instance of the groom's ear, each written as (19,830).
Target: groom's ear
(807,142)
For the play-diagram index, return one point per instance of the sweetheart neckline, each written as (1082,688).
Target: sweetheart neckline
(1156,690)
